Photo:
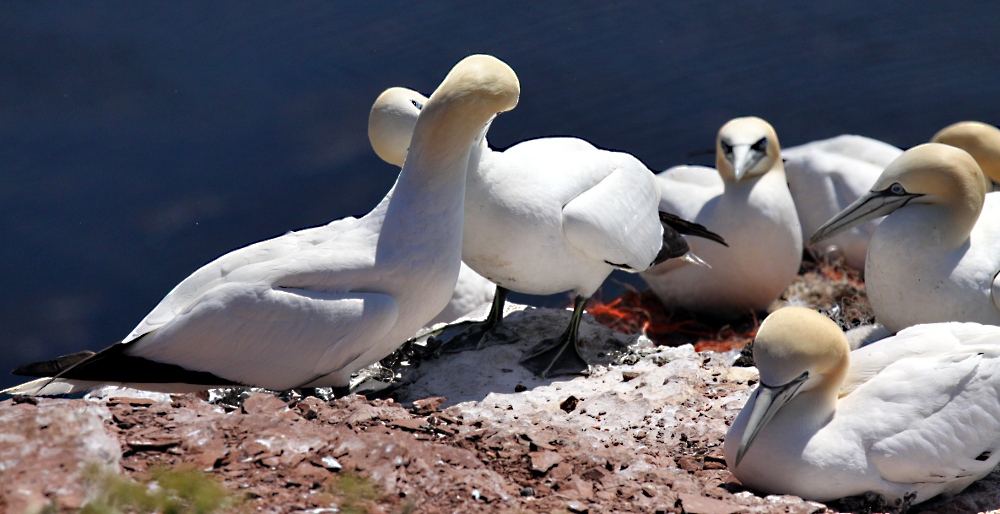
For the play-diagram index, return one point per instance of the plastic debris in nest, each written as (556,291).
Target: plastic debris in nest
(831,288)
(642,313)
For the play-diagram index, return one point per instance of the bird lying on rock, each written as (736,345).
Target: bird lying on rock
(309,308)
(550,215)
(908,417)
(746,200)
(936,255)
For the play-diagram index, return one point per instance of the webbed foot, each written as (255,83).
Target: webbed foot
(474,335)
(553,357)
(559,356)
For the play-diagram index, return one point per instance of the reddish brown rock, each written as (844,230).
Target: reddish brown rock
(693,504)
(45,447)
(543,461)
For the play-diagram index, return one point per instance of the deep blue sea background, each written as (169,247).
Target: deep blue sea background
(140,140)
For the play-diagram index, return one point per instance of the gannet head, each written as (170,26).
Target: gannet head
(475,90)
(931,173)
(391,123)
(482,84)
(746,147)
(796,350)
(981,140)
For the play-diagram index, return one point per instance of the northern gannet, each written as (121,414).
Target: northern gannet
(827,175)
(390,127)
(981,140)
(746,200)
(930,260)
(551,215)
(309,308)
(908,417)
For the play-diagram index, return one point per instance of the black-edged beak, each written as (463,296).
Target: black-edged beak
(768,400)
(873,205)
(745,157)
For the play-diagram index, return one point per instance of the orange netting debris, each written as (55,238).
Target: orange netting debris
(832,288)
(642,313)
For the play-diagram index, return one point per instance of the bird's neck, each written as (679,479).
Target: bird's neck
(817,406)
(427,201)
(775,177)
(945,225)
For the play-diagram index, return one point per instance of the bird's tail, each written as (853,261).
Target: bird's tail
(694,259)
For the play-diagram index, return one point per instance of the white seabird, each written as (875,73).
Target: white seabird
(908,417)
(746,200)
(936,256)
(981,140)
(309,308)
(390,127)
(551,215)
(826,176)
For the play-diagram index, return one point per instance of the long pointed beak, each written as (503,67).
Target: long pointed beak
(744,158)
(873,205)
(767,402)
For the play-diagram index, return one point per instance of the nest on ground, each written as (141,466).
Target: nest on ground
(829,287)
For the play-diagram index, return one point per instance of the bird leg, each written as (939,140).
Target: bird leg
(559,356)
(476,335)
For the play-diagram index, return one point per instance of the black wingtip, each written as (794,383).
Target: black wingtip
(673,245)
(112,364)
(690,228)
(51,368)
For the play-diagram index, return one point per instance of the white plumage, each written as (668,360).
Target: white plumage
(936,256)
(552,215)
(310,307)
(746,200)
(826,176)
(908,417)
(390,128)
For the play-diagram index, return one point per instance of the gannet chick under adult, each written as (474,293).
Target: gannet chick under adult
(746,200)
(390,128)
(550,215)
(908,417)
(309,308)
(935,257)
(827,175)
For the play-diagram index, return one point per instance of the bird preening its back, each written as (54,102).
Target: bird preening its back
(309,308)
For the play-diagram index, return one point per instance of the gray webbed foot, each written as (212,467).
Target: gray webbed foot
(559,356)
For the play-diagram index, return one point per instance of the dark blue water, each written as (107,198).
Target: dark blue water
(139,141)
